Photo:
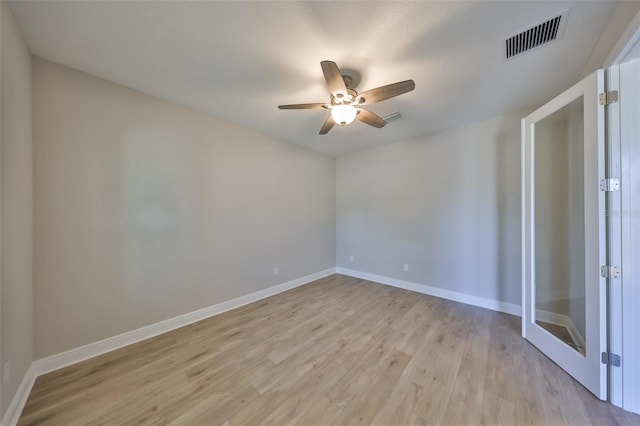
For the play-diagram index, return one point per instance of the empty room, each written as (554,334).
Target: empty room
(319,212)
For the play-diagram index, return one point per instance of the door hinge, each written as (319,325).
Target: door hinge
(610,184)
(611,359)
(607,98)
(608,271)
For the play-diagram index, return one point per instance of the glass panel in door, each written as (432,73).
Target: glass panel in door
(559,224)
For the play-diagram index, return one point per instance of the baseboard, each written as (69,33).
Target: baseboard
(575,333)
(482,302)
(73,356)
(12,415)
(564,321)
(551,317)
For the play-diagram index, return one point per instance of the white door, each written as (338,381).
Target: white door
(563,234)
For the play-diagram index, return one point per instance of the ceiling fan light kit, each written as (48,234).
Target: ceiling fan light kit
(343,114)
(346,105)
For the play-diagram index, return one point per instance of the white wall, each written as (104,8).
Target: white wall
(446,204)
(16,207)
(575,138)
(621,19)
(552,244)
(145,209)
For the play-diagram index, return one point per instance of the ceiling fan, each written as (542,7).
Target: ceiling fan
(346,105)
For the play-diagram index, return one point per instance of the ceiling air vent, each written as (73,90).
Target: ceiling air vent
(391,117)
(539,35)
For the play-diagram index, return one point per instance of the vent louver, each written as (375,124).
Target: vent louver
(534,37)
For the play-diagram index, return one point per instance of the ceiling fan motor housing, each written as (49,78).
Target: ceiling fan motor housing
(341,99)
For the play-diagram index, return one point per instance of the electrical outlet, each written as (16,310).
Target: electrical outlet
(351,259)
(5,373)
(276,271)
(406,267)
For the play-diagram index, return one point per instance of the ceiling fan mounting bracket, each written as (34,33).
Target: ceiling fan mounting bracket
(348,80)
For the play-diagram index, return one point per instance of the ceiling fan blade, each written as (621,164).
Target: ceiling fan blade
(303,106)
(370,118)
(328,124)
(334,79)
(385,92)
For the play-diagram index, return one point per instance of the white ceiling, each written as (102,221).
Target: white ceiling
(239,60)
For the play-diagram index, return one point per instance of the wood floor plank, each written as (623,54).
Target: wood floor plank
(340,350)
(321,412)
(382,381)
(468,388)
(399,407)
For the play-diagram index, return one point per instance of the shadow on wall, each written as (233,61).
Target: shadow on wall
(509,210)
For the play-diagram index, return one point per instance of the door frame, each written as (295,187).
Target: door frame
(624,383)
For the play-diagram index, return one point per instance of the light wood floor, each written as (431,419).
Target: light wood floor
(337,351)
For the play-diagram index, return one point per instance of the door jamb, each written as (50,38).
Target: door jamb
(617,247)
